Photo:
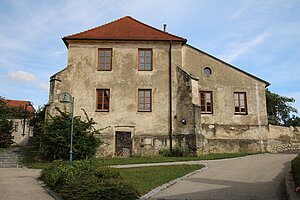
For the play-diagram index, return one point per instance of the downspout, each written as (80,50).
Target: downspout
(170,97)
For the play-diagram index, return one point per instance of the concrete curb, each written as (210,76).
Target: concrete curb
(197,162)
(290,187)
(166,185)
(49,191)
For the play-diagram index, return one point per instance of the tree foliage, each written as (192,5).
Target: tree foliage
(55,140)
(280,111)
(6,126)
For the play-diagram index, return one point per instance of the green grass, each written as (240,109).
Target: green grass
(143,179)
(159,159)
(30,159)
(296,170)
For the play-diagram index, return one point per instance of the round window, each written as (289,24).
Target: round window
(207,71)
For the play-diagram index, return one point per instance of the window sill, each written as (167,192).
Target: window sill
(241,113)
(144,110)
(205,113)
(101,110)
(103,69)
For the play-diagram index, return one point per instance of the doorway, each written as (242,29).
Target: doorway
(123,144)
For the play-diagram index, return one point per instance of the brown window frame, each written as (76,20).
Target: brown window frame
(239,102)
(144,104)
(151,60)
(105,67)
(205,105)
(102,100)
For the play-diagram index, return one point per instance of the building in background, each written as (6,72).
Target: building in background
(21,126)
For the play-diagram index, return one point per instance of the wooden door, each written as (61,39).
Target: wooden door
(123,144)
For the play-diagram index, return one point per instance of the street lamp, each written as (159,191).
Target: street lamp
(65,97)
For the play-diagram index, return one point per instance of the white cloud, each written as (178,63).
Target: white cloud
(239,49)
(59,52)
(21,76)
(43,86)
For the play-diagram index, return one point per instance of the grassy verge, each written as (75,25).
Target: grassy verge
(143,179)
(30,160)
(159,159)
(296,170)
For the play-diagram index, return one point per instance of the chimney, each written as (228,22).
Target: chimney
(165,27)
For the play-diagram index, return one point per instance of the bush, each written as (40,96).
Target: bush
(55,140)
(176,152)
(93,188)
(84,180)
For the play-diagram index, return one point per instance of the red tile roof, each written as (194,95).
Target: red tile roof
(126,28)
(17,103)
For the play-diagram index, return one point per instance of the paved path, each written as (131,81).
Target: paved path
(21,184)
(259,177)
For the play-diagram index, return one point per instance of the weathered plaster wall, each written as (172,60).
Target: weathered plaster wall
(223,82)
(18,137)
(81,79)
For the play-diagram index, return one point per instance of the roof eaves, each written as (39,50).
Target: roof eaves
(251,75)
(66,43)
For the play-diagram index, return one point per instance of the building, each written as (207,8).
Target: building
(21,127)
(151,87)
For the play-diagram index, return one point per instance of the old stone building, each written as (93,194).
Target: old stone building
(151,87)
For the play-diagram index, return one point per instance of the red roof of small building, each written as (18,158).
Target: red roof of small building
(17,103)
(126,28)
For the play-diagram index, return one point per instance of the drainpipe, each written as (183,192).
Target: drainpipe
(170,96)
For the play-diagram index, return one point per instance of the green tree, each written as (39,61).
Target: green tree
(6,126)
(279,108)
(55,140)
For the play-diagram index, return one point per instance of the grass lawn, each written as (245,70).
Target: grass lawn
(160,159)
(29,161)
(143,179)
(296,170)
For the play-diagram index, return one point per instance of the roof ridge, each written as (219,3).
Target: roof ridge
(15,100)
(164,32)
(96,27)
(101,26)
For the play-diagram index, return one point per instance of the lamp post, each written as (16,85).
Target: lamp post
(65,97)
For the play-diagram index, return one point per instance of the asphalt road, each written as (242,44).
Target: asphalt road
(21,184)
(259,177)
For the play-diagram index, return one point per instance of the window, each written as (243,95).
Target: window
(103,100)
(206,102)
(105,59)
(240,103)
(207,71)
(145,59)
(144,100)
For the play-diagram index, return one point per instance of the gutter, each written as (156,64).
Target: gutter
(67,45)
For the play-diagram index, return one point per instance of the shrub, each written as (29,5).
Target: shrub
(93,188)
(84,180)
(176,152)
(55,140)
